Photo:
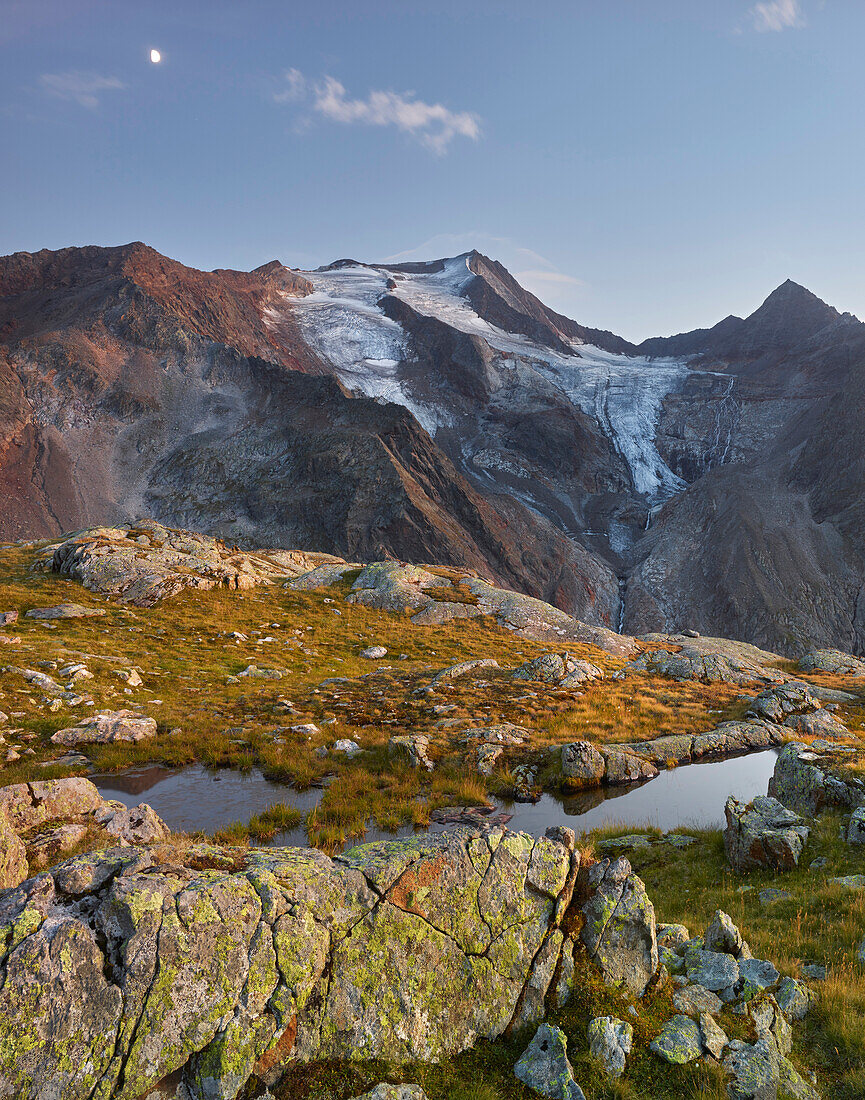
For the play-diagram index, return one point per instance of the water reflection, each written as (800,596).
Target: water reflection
(195,799)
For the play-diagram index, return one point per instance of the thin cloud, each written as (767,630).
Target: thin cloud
(777,15)
(536,276)
(83,88)
(432,124)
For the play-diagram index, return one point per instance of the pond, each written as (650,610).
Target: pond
(195,798)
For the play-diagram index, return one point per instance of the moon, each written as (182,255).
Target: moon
(155,56)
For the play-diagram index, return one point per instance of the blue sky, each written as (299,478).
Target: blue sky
(646,166)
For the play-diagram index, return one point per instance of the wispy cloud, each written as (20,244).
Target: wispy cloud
(539,275)
(777,15)
(432,124)
(83,88)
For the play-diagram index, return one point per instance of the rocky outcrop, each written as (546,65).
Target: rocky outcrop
(763,834)
(558,668)
(393,586)
(40,822)
(805,780)
(710,660)
(106,726)
(832,661)
(148,562)
(127,966)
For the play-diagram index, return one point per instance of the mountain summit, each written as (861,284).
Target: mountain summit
(438,411)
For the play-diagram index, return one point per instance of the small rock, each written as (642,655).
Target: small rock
(816,972)
(374,652)
(394,1092)
(849,882)
(138,825)
(130,676)
(672,935)
(794,998)
(610,1043)
(350,748)
(722,935)
(692,1000)
(414,748)
(856,828)
(308,729)
(7,618)
(680,1041)
(772,894)
(714,971)
(544,1066)
(715,1038)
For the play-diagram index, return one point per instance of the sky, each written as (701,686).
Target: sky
(646,166)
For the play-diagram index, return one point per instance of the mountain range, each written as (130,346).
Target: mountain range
(439,412)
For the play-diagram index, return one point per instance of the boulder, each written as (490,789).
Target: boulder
(803,780)
(138,825)
(680,1041)
(619,930)
(714,1038)
(374,652)
(544,1066)
(217,964)
(716,972)
(777,702)
(27,805)
(106,726)
(693,1000)
(763,834)
(411,747)
(610,1043)
(558,668)
(623,767)
(582,762)
(833,661)
(794,998)
(819,723)
(7,618)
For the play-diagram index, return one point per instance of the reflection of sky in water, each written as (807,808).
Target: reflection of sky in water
(194,798)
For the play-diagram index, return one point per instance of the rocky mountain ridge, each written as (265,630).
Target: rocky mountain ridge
(439,412)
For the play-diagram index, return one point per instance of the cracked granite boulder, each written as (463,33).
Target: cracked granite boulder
(763,834)
(619,932)
(210,966)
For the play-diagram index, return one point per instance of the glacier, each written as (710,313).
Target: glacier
(345,325)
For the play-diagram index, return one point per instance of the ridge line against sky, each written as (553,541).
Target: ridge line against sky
(646,169)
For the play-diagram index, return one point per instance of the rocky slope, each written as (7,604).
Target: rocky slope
(439,412)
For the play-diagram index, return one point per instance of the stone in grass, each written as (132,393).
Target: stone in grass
(794,998)
(680,1041)
(350,748)
(815,971)
(714,1037)
(772,894)
(610,1043)
(63,611)
(760,1072)
(545,1068)
(394,1092)
(849,882)
(856,827)
(374,652)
